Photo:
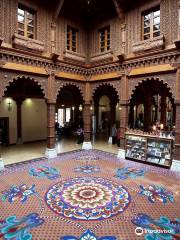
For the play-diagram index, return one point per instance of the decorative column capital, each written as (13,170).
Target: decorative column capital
(50,72)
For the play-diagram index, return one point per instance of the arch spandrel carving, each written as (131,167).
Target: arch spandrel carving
(114,84)
(59,84)
(6,78)
(168,81)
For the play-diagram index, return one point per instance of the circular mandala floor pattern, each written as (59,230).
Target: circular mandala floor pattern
(87,198)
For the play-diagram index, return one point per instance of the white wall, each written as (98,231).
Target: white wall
(12,115)
(34,120)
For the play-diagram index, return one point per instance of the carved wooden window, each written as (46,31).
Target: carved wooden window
(104,39)
(151,24)
(71,39)
(26,22)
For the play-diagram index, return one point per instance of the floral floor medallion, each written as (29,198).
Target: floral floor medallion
(87,198)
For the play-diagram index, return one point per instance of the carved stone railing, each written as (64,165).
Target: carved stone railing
(150,44)
(70,55)
(102,57)
(27,43)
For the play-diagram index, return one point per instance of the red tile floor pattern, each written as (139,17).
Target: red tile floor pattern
(56,225)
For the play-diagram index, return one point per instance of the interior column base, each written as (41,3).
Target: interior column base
(121,153)
(1,164)
(51,152)
(87,145)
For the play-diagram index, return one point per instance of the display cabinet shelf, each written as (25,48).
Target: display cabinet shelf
(149,149)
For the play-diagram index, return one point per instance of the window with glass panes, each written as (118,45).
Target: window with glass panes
(71,39)
(104,38)
(26,22)
(151,24)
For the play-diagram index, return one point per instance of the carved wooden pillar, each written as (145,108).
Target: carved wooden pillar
(123,32)
(124,109)
(113,112)
(163,109)
(51,105)
(96,112)
(87,122)
(53,37)
(87,118)
(51,125)
(19,120)
(123,122)
(147,113)
(131,116)
(177,130)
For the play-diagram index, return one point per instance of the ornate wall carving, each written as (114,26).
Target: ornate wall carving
(115,84)
(150,44)
(8,77)
(27,43)
(59,84)
(168,79)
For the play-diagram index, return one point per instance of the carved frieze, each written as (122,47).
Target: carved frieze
(166,79)
(59,84)
(102,57)
(114,84)
(150,44)
(8,77)
(27,43)
(70,55)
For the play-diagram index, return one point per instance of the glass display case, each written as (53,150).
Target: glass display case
(159,151)
(149,149)
(136,147)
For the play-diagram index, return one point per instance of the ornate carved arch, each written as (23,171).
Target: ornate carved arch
(114,84)
(6,78)
(59,84)
(136,83)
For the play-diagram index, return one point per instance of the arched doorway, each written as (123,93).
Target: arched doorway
(23,108)
(152,103)
(69,111)
(106,112)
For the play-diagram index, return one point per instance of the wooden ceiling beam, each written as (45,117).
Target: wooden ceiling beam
(58,10)
(119,10)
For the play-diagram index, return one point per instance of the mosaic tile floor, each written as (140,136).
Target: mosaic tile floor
(88,195)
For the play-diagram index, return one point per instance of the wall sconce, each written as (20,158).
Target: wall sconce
(154,127)
(80,107)
(91,107)
(9,103)
(120,108)
(73,108)
(161,126)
